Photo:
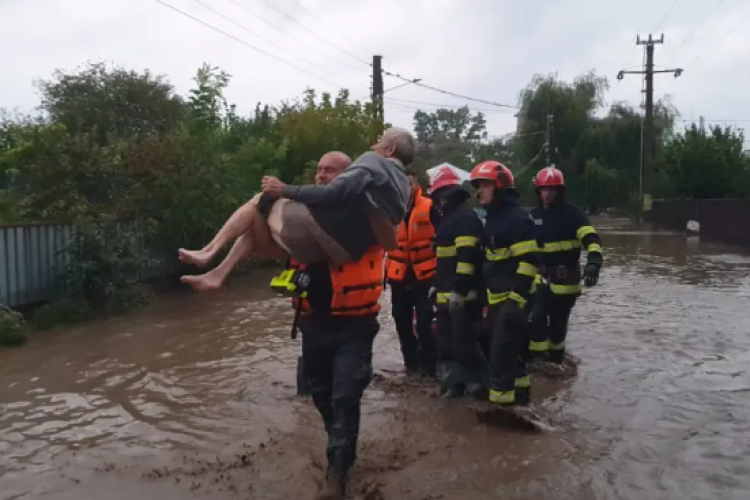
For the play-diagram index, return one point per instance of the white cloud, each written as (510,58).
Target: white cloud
(488,49)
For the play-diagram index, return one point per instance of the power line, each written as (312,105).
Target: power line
(296,21)
(245,28)
(666,15)
(243,42)
(263,20)
(705,19)
(441,105)
(726,35)
(447,92)
(351,40)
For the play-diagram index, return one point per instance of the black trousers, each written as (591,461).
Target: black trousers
(338,368)
(406,302)
(549,324)
(510,383)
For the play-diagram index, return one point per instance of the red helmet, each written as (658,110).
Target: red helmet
(494,171)
(549,177)
(441,178)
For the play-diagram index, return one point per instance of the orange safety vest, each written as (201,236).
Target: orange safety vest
(357,286)
(414,244)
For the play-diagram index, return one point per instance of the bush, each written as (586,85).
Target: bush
(13,330)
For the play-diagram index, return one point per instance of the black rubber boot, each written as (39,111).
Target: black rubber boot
(303,387)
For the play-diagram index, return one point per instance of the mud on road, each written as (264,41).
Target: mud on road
(195,398)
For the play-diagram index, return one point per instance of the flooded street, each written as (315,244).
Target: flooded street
(195,398)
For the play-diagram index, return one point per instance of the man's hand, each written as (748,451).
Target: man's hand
(590,275)
(272,185)
(455,301)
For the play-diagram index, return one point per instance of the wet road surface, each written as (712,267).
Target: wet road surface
(195,398)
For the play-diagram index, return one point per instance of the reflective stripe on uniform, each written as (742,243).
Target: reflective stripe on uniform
(444,297)
(523,382)
(445,252)
(584,231)
(466,241)
(565,289)
(503,397)
(515,250)
(542,346)
(561,246)
(464,268)
(557,347)
(527,269)
(496,298)
(594,247)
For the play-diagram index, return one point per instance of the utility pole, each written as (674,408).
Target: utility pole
(647,150)
(377,88)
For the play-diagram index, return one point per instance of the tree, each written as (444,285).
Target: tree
(111,101)
(704,164)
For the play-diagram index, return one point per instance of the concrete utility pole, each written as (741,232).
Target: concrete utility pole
(648,124)
(377,87)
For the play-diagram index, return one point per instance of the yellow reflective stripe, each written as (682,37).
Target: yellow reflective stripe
(594,247)
(557,347)
(542,346)
(464,268)
(533,288)
(584,231)
(523,247)
(443,252)
(565,289)
(502,397)
(523,382)
(443,297)
(538,279)
(466,241)
(561,246)
(496,298)
(515,250)
(527,269)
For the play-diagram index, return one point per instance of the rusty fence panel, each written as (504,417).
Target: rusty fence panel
(727,221)
(33,257)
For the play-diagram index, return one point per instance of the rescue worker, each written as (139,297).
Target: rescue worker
(455,288)
(562,230)
(510,265)
(409,272)
(338,316)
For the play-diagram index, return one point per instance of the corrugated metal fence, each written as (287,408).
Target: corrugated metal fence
(33,257)
(721,220)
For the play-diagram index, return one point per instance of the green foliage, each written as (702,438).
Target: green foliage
(112,145)
(62,311)
(13,330)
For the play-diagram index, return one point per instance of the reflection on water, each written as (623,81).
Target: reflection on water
(178,399)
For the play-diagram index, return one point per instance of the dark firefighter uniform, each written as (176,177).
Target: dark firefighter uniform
(409,272)
(562,231)
(338,321)
(510,265)
(456,288)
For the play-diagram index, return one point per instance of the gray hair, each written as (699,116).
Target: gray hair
(403,142)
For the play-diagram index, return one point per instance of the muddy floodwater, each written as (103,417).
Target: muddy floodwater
(194,397)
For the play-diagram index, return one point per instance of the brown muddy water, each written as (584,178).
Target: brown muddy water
(195,398)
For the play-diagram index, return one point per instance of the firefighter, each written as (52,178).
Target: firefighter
(510,265)
(562,230)
(455,288)
(410,269)
(337,315)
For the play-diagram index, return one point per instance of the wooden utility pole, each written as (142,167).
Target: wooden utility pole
(548,138)
(648,123)
(377,88)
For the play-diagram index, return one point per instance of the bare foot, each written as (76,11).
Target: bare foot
(199,258)
(204,282)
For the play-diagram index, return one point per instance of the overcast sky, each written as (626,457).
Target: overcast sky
(486,49)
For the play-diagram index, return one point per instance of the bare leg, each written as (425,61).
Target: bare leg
(242,248)
(257,241)
(238,224)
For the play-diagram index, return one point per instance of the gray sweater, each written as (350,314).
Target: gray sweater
(376,183)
